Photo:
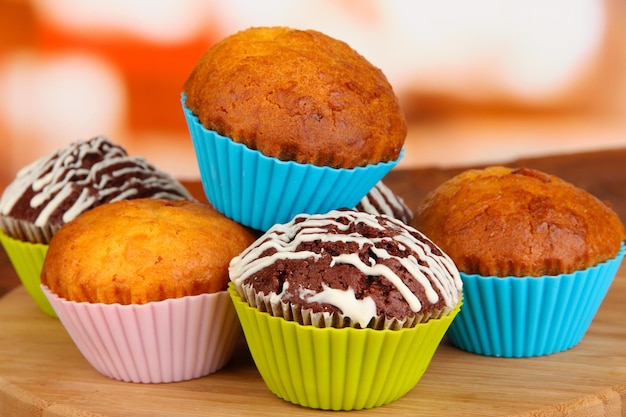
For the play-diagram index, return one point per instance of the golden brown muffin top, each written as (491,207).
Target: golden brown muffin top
(518,222)
(297,95)
(137,251)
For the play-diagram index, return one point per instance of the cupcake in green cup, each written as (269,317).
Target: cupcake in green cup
(343,310)
(56,188)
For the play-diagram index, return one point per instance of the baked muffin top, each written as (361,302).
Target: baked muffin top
(142,250)
(56,188)
(505,221)
(355,268)
(297,95)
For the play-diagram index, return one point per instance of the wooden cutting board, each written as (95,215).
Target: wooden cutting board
(43,374)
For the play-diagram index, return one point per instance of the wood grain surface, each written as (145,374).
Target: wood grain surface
(43,374)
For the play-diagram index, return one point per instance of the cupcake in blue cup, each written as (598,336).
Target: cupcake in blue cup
(288,121)
(536,254)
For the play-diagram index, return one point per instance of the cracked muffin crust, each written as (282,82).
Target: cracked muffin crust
(505,221)
(297,95)
(143,250)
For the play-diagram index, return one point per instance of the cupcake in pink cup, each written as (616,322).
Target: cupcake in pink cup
(343,310)
(288,121)
(537,256)
(58,187)
(140,287)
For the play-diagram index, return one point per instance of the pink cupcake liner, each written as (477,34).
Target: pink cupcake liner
(530,316)
(259,191)
(157,342)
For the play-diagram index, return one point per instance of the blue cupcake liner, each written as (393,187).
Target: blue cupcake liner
(518,317)
(259,191)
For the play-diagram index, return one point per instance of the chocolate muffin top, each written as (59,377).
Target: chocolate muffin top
(506,221)
(354,268)
(297,95)
(56,188)
(382,200)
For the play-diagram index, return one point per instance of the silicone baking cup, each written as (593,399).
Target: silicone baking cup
(260,191)
(27,259)
(338,369)
(157,342)
(530,316)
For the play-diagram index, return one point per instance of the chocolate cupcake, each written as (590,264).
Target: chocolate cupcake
(338,279)
(55,189)
(382,200)
(58,187)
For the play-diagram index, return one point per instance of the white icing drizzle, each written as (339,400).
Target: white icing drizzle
(381,200)
(55,178)
(438,273)
(360,311)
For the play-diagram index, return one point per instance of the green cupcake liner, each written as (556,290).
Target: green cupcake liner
(338,369)
(27,259)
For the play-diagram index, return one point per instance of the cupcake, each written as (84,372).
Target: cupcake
(140,286)
(56,188)
(381,200)
(343,310)
(288,121)
(536,255)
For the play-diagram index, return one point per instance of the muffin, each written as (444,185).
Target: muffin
(140,286)
(536,255)
(287,121)
(381,200)
(361,294)
(56,188)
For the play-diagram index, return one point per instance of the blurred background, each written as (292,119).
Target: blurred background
(480,82)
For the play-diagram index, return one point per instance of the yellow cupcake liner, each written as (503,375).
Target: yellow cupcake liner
(338,369)
(27,259)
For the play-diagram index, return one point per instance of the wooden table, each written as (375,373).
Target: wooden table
(43,374)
